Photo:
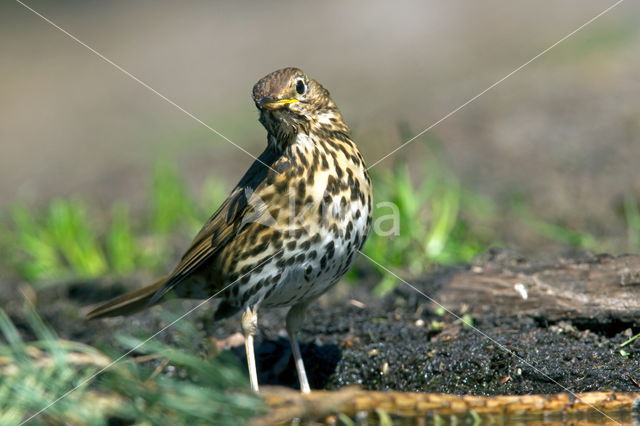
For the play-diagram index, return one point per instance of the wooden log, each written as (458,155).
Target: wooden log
(286,404)
(593,289)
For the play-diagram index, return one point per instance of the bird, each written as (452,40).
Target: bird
(288,231)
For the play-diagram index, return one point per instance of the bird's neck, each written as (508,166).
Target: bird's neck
(323,128)
(324,148)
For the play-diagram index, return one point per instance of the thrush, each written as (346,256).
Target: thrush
(288,231)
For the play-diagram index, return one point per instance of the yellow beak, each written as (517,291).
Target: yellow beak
(282,101)
(276,104)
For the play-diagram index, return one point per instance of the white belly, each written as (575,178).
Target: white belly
(334,255)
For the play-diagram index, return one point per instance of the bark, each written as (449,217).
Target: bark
(287,404)
(600,289)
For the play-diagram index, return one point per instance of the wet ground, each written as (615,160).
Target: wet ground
(399,342)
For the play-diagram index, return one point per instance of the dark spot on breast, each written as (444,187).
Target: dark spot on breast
(303,159)
(322,210)
(291,245)
(258,249)
(302,189)
(324,162)
(256,287)
(330,247)
(333,186)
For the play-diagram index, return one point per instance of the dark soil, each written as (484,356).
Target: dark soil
(399,342)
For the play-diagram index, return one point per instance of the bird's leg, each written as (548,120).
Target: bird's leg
(295,318)
(249,328)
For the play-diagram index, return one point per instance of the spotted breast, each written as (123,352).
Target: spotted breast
(312,235)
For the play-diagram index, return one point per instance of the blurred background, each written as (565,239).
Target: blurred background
(544,161)
(103,183)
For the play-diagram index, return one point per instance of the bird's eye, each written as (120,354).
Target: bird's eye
(300,87)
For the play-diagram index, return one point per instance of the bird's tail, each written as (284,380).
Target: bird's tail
(129,303)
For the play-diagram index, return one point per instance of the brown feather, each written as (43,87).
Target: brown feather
(129,303)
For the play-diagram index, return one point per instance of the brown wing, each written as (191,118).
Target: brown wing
(223,225)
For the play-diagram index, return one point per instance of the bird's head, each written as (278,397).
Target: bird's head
(290,102)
